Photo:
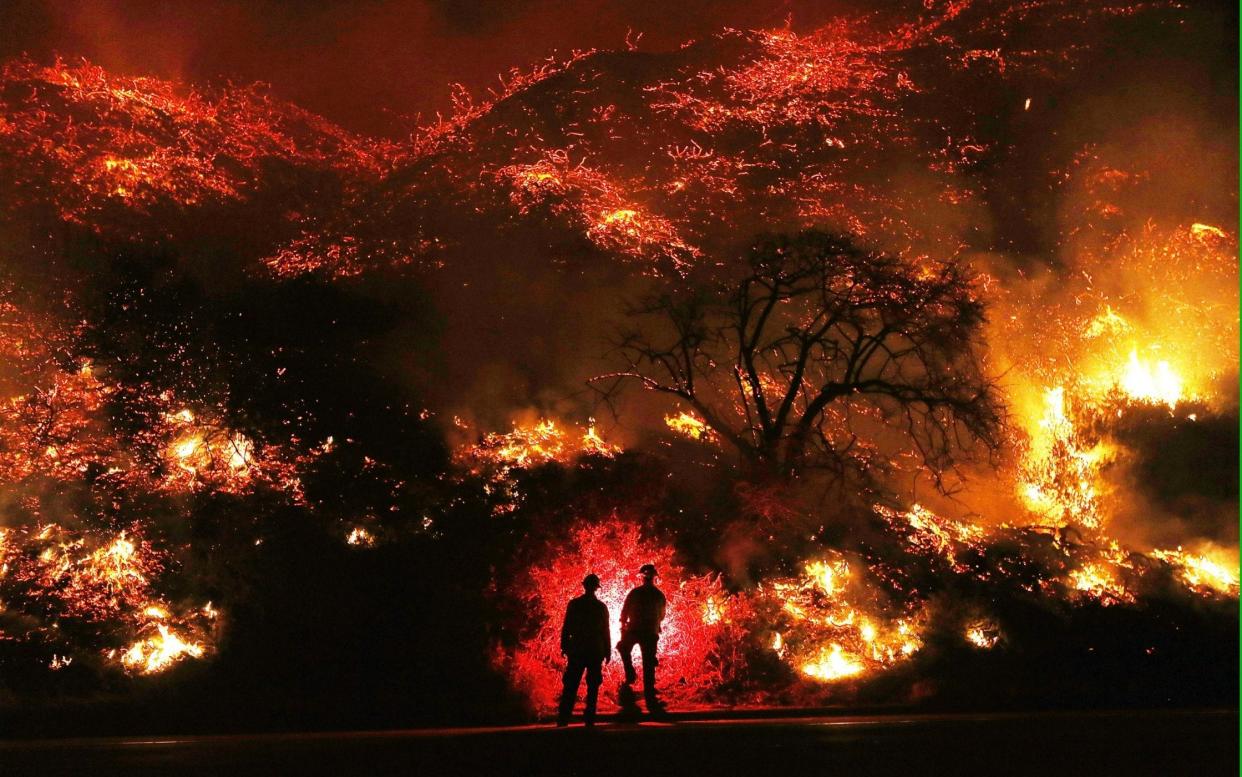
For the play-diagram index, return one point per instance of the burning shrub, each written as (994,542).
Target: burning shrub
(832,624)
(97,588)
(495,456)
(498,454)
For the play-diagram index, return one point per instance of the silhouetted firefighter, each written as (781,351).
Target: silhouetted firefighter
(641,617)
(584,642)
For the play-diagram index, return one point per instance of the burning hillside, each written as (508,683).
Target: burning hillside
(895,372)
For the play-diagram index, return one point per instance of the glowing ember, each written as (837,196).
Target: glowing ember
(110,586)
(664,170)
(142,143)
(203,455)
(932,534)
(58,567)
(598,206)
(983,634)
(831,664)
(1159,384)
(360,537)
(94,588)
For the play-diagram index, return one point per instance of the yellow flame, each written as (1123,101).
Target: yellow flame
(155,611)
(120,165)
(593,443)
(532,445)
(833,664)
(1106,322)
(1098,581)
(1202,231)
(121,549)
(1158,384)
(828,575)
(241,452)
(186,447)
(982,634)
(158,652)
(689,425)
(1200,572)
(620,216)
(830,637)
(1059,473)
(713,611)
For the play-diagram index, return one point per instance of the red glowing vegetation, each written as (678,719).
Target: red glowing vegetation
(837,73)
(598,207)
(697,619)
(102,140)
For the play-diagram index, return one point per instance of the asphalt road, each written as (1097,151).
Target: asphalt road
(1124,743)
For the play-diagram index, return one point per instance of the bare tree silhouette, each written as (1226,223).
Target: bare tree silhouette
(818,335)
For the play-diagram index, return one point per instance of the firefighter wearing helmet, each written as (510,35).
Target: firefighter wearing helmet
(584,642)
(641,617)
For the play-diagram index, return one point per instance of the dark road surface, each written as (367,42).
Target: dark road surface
(1129,743)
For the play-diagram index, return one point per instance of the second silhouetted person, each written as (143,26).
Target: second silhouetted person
(641,617)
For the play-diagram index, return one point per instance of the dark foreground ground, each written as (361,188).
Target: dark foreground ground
(1201,743)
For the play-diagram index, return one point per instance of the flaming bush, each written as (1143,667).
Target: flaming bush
(101,585)
(832,624)
(496,455)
